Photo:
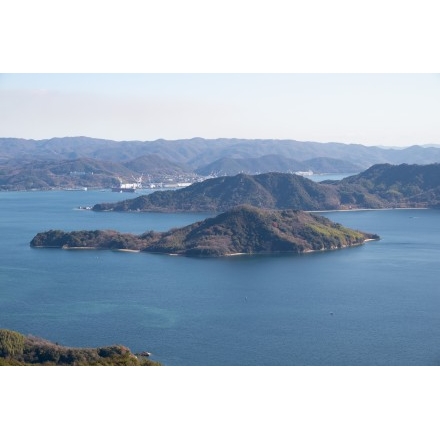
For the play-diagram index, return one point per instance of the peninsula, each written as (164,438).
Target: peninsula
(381,186)
(240,230)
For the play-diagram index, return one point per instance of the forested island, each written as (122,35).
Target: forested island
(381,186)
(240,230)
(17,349)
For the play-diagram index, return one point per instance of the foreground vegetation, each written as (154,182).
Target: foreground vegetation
(241,230)
(18,349)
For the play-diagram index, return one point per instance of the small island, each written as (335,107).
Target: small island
(240,230)
(17,349)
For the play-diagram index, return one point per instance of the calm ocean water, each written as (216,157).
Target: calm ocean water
(378,304)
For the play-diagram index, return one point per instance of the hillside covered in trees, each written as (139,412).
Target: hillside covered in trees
(270,190)
(18,349)
(392,186)
(18,174)
(198,152)
(27,164)
(241,230)
(381,186)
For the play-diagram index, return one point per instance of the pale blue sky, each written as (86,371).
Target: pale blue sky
(389,109)
(371,109)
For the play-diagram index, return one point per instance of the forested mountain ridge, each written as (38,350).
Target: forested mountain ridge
(228,166)
(270,190)
(85,172)
(393,186)
(197,152)
(381,186)
(221,156)
(27,164)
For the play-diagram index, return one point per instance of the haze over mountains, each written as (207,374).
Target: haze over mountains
(70,161)
(199,152)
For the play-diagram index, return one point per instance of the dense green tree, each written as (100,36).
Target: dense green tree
(11,343)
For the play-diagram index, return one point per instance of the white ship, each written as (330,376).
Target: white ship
(128,187)
(304,173)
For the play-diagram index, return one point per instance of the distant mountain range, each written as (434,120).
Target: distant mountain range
(381,186)
(198,152)
(33,164)
(274,162)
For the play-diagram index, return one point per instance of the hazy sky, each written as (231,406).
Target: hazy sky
(371,109)
(390,109)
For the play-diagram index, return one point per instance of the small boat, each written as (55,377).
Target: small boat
(144,353)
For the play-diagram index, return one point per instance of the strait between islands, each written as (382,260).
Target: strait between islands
(241,230)
(280,227)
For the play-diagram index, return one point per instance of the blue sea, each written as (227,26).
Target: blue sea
(377,304)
